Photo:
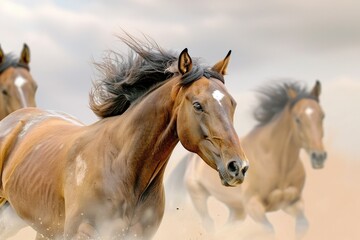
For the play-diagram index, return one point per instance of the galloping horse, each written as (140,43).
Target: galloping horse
(105,180)
(290,118)
(17,91)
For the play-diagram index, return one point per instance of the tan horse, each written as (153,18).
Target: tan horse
(105,180)
(290,118)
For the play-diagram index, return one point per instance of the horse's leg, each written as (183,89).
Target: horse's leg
(78,228)
(39,236)
(82,232)
(296,210)
(236,213)
(257,211)
(10,222)
(199,196)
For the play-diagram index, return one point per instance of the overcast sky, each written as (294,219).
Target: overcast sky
(304,40)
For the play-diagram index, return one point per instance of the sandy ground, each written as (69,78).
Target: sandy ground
(332,205)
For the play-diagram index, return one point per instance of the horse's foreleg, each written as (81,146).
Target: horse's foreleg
(82,232)
(199,196)
(236,213)
(78,228)
(257,211)
(10,222)
(296,210)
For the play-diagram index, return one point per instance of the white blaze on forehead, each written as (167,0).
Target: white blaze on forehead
(19,83)
(218,96)
(309,111)
(80,170)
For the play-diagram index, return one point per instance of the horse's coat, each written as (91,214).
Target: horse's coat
(104,181)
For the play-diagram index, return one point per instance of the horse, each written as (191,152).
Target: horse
(17,86)
(17,89)
(290,118)
(105,180)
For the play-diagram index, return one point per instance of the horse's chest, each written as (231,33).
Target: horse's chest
(281,197)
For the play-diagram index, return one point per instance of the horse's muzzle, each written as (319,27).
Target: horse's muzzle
(236,170)
(317,159)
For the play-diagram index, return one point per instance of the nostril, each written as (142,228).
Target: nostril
(313,155)
(233,168)
(244,170)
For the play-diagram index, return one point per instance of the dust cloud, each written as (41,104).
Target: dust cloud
(332,206)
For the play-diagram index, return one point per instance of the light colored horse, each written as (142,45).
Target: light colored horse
(105,180)
(290,119)
(17,90)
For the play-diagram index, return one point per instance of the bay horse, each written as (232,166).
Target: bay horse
(105,180)
(17,90)
(290,119)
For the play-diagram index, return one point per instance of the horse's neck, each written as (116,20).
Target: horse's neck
(145,137)
(281,142)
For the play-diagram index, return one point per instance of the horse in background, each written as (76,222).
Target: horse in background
(17,87)
(17,90)
(290,119)
(105,180)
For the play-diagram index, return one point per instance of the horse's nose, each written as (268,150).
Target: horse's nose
(318,155)
(237,168)
(317,159)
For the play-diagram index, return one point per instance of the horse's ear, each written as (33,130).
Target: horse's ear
(221,66)
(25,55)
(315,92)
(184,62)
(2,56)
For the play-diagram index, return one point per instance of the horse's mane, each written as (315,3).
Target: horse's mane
(11,61)
(126,79)
(274,97)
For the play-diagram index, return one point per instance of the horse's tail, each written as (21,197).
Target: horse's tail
(175,188)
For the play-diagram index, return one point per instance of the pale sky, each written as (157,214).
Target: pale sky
(304,40)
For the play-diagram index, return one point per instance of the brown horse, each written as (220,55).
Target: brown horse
(16,83)
(105,180)
(290,118)
(17,91)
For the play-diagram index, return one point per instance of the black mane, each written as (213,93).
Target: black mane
(274,97)
(126,79)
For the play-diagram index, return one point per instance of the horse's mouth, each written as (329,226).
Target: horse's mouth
(317,164)
(229,181)
(226,178)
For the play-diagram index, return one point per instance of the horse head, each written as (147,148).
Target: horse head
(308,124)
(205,112)
(17,87)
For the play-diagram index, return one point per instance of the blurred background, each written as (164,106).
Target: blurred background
(280,39)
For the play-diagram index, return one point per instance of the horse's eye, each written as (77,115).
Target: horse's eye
(297,120)
(197,107)
(4,92)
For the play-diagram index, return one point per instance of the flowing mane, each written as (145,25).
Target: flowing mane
(274,97)
(126,79)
